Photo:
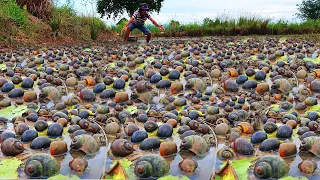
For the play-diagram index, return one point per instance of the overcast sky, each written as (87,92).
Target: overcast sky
(196,10)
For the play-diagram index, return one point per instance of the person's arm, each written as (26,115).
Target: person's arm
(129,22)
(156,24)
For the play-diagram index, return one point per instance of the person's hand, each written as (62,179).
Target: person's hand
(125,28)
(162,28)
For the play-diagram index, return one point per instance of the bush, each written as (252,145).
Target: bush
(11,10)
(65,21)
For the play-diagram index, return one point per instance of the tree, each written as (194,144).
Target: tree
(309,9)
(115,8)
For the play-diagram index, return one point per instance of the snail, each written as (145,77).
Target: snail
(242,146)
(85,143)
(168,148)
(226,153)
(307,166)
(195,144)
(121,148)
(78,165)
(151,165)
(270,166)
(11,147)
(41,165)
(311,144)
(188,165)
(58,147)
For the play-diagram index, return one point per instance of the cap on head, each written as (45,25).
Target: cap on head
(144,6)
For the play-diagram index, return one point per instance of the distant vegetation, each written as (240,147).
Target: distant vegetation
(309,9)
(229,26)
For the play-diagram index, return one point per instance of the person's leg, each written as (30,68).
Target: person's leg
(129,29)
(146,32)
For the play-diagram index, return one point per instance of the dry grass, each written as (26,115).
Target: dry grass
(39,8)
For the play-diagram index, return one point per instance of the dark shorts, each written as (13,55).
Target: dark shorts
(142,28)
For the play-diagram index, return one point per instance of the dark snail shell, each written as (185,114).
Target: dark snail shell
(121,148)
(307,166)
(193,124)
(108,93)
(78,165)
(119,83)
(150,143)
(303,130)
(258,137)
(139,136)
(85,143)
(40,142)
(55,130)
(183,129)
(284,132)
(165,130)
(232,136)
(308,134)
(87,95)
(188,133)
(231,86)
(78,132)
(27,83)
(313,126)
(168,148)
(6,135)
(270,166)
(29,135)
(246,128)
(242,146)
(58,147)
(41,165)
(150,126)
(269,144)
(287,149)
(188,165)
(21,128)
(226,153)
(98,88)
(270,127)
(251,84)
(11,147)
(151,165)
(204,129)
(15,93)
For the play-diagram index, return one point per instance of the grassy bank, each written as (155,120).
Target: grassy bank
(25,23)
(231,27)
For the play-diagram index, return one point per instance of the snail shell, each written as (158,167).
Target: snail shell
(85,143)
(226,153)
(78,165)
(270,166)
(188,165)
(58,147)
(287,149)
(121,148)
(195,144)
(242,146)
(11,147)
(41,165)
(151,165)
(168,148)
(246,128)
(307,166)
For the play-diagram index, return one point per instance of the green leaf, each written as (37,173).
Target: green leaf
(241,167)
(170,177)
(316,60)
(124,162)
(3,67)
(64,177)
(8,168)
(13,111)
(132,109)
(282,40)
(294,178)
(275,107)
(313,108)
(254,57)
(150,59)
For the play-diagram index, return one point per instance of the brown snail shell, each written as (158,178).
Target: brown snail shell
(232,136)
(226,153)
(30,96)
(307,166)
(121,97)
(176,87)
(21,128)
(78,165)
(168,148)
(262,88)
(287,149)
(130,129)
(11,147)
(121,148)
(246,128)
(188,165)
(222,129)
(112,128)
(58,147)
